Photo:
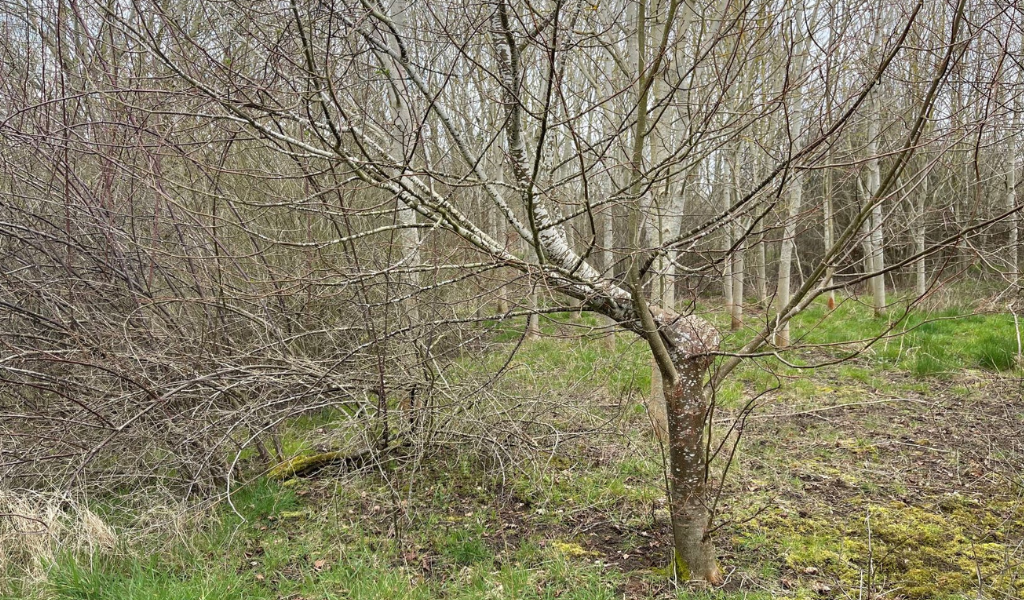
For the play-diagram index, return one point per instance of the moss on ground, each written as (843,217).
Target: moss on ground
(939,550)
(300,464)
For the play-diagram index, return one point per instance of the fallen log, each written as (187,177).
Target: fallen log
(309,464)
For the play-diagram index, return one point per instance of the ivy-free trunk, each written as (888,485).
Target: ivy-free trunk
(689,340)
(687,407)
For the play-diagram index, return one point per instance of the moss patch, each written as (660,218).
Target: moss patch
(938,550)
(301,464)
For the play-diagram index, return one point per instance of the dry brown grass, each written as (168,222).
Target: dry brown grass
(36,527)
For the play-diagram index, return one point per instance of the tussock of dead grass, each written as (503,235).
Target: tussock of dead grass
(36,527)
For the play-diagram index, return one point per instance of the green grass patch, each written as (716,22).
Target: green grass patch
(920,342)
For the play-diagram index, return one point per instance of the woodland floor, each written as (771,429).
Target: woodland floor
(858,480)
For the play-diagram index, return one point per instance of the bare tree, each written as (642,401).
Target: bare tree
(236,211)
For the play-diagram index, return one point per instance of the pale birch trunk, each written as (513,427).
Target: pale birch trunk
(533,321)
(865,228)
(409,234)
(664,212)
(738,274)
(1013,159)
(738,260)
(1014,235)
(500,232)
(606,213)
(607,255)
(828,228)
(665,296)
(726,241)
(876,258)
(636,12)
(761,272)
(796,190)
(783,291)
(921,276)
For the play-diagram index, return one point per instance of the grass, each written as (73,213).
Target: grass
(922,343)
(573,349)
(334,554)
(820,501)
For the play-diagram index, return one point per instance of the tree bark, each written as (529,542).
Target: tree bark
(404,133)
(783,291)
(726,241)
(796,190)
(738,261)
(761,272)
(607,242)
(738,273)
(828,228)
(657,404)
(1011,184)
(687,407)
(876,258)
(919,239)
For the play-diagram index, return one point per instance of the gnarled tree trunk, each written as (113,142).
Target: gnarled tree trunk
(689,339)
